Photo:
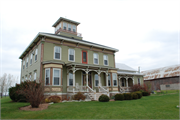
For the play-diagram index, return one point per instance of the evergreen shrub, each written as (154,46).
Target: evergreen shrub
(119,97)
(103,98)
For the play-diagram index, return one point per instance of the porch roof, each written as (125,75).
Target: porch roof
(127,73)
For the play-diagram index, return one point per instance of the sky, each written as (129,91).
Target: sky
(146,32)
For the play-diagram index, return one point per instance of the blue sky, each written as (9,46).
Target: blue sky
(145,32)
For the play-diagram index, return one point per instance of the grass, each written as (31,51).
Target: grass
(150,107)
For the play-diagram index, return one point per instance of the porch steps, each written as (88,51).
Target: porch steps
(92,96)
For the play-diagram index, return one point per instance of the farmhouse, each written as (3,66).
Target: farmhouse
(67,64)
(166,78)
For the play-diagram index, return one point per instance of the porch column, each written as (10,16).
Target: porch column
(133,80)
(67,80)
(73,80)
(99,78)
(87,80)
(106,79)
(127,83)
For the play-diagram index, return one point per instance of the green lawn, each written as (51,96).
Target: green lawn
(151,107)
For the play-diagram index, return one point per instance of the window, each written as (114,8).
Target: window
(36,55)
(23,64)
(64,25)
(96,58)
(34,76)
(70,79)
(84,57)
(74,28)
(71,54)
(105,59)
(57,51)
(138,81)
(26,77)
(31,60)
(22,79)
(56,76)
(57,27)
(69,27)
(96,80)
(109,80)
(167,85)
(47,76)
(26,62)
(114,79)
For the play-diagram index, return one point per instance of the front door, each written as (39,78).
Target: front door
(89,79)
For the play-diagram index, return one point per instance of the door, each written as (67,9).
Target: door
(89,79)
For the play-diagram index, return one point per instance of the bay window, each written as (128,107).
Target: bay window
(47,76)
(56,76)
(114,79)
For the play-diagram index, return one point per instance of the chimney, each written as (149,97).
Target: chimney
(139,69)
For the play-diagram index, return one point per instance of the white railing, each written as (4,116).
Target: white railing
(69,88)
(80,89)
(103,89)
(106,88)
(90,89)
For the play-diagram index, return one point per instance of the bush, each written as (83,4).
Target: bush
(134,95)
(139,93)
(127,96)
(15,96)
(112,97)
(103,98)
(119,97)
(54,99)
(145,93)
(79,96)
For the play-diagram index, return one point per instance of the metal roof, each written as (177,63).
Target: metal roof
(124,67)
(65,19)
(168,71)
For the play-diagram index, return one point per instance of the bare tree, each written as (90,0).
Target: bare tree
(3,81)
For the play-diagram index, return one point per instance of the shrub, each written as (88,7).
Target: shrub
(145,93)
(134,95)
(54,99)
(112,97)
(47,100)
(79,96)
(119,97)
(15,96)
(127,96)
(103,98)
(139,93)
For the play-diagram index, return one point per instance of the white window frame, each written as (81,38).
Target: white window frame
(54,52)
(107,60)
(69,26)
(24,64)
(69,55)
(35,58)
(74,28)
(27,62)
(69,78)
(45,76)
(64,25)
(97,58)
(109,76)
(59,77)
(114,74)
(96,80)
(31,59)
(35,76)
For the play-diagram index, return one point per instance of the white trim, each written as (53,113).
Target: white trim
(49,76)
(69,54)
(59,77)
(54,53)
(95,80)
(107,60)
(113,79)
(98,59)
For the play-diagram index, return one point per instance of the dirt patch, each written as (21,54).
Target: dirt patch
(111,100)
(41,107)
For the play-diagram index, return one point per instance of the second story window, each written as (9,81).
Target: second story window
(31,60)
(105,59)
(71,55)
(96,58)
(70,79)
(57,52)
(74,28)
(47,76)
(26,62)
(69,27)
(64,25)
(96,80)
(84,57)
(36,52)
(23,64)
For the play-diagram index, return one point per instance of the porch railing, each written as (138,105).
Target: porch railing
(69,88)
(90,89)
(76,89)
